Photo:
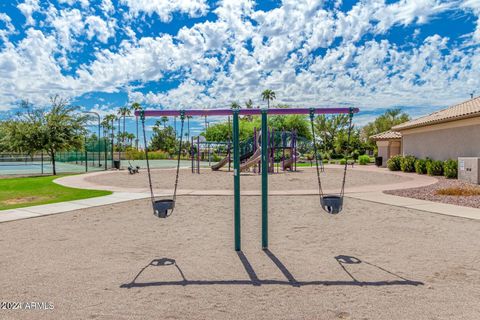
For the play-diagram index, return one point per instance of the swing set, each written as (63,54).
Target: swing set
(331,203)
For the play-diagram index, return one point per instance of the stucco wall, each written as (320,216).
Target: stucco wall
(383,151)
(388,149)
(443,144)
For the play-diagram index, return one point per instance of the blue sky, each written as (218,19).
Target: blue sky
(420,55)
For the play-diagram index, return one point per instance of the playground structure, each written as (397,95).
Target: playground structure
(330,203)
(282,146)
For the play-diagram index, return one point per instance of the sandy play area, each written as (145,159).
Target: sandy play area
(304,178)
(373,261)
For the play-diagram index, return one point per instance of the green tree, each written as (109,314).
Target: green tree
(292,122)
(110,118)
(164,120)
(130,137)
(136,107)
(3,133)
(234,105)
(268,95)
(163,138)
(328,128)
(382,123)
(124,112)
(249,105)
(51,130)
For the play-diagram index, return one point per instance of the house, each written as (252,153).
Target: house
(446,134)
(389,144)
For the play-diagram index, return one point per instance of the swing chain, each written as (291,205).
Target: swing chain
(315,151)
(142,118)
(182,118)
(350,116)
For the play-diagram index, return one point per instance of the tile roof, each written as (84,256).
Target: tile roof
(466,109)
(387,135)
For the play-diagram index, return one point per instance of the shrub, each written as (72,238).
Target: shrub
(343,161)
(325,161)
(393,163)
(459,191)
(336,156)
(420,166)
(355,154)
(450,169)
(216,157)
(333,162)
(434,168)
(407,164)
(363,160)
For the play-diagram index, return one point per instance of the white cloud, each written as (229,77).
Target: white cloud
(9,28)
(245,51)
(96,26)
(83,3)
(107,6)
(474,6)
(29,71)
(188,95)
(67,23)
(28,8)
(165,8)
(406,12)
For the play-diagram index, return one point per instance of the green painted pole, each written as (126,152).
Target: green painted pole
(236,179)
(264,180)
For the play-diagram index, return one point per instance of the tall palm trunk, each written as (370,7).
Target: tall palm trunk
(136,137)
(113,139)
(124,130)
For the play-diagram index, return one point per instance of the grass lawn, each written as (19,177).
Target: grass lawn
(31,191)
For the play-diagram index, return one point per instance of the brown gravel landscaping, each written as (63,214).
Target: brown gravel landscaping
(431,193)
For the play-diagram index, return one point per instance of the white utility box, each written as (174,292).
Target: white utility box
(468,169)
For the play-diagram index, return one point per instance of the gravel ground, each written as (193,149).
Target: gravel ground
(373,261)
(304,178)
(428,193)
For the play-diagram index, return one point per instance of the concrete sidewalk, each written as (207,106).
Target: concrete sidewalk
(417,204)
(373,193)
(61,207)
(117,197)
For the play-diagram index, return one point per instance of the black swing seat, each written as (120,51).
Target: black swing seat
(162,207)
(332,204)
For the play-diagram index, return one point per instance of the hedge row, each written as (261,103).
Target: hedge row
(448,168)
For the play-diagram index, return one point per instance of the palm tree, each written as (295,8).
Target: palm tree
(268,95)
(106,127)
(124,112)
(164,120)
(188,127)
(136,107)
(234,105)
(206,124)
(249,105)
(130,137)
(111,119)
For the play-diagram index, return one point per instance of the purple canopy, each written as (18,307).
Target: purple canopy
(228,112)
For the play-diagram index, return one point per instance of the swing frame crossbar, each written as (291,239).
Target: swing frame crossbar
(236,149)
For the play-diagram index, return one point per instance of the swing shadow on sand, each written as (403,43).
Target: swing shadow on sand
(342,260)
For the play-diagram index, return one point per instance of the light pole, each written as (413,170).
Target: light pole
(98,137)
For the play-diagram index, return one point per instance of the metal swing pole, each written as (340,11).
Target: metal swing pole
(264,180)
(236,179)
